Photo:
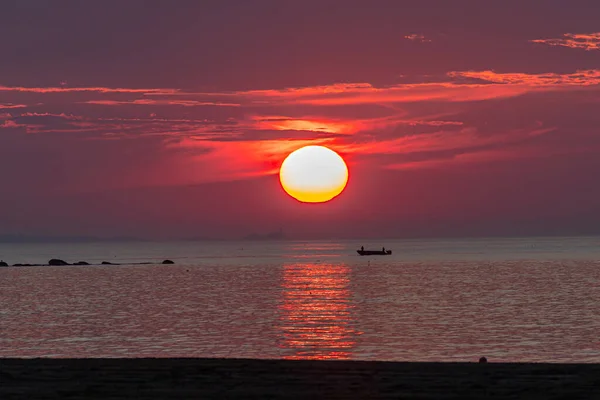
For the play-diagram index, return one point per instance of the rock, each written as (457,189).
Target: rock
(56,261)
(482,360)
(82,263)
(3,264)
(108,263)
(168,262)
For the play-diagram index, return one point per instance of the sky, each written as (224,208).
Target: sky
(168,120)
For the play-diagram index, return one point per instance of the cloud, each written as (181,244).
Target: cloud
(9,124)
(584,41)
(107,128)
(9,106)
(417,37)
(466,146)
(151,102)
(281,123)
(343,126)
(465,139)
(534,81)
(83,89)
(458,86)
(236,134)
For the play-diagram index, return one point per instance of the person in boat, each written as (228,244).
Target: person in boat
(383,249)
(362,248)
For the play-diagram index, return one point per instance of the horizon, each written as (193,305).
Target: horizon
(16,239)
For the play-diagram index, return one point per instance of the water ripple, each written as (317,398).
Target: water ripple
(387,310)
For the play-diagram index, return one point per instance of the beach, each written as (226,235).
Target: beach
(156,378)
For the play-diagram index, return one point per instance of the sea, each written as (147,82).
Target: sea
(508,299)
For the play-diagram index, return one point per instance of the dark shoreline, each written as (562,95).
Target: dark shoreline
(164,378)
(62,263)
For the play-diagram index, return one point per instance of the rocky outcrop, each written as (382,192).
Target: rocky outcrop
(56,261)
(59,262)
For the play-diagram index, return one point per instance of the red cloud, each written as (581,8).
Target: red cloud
(151,102)
(416,37)
(339,125)
(459,86)
(9,106)
(304,124)
(9,124)
(237,160)
(585,41)
(534,81)
(238,138)
(465,139)
(84,89)
(492,85)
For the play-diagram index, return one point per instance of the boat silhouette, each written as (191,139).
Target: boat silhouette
(383,252)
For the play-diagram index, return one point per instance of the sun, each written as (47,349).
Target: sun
(313,174)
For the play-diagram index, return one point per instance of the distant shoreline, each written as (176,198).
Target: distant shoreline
(161,378)
(15,239)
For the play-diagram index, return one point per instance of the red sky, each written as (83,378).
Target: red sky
(141,119)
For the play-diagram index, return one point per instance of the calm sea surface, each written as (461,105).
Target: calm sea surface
(534,299)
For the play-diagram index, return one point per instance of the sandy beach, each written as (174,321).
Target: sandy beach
(270,379)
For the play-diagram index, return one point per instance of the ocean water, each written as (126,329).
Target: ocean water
(521,299)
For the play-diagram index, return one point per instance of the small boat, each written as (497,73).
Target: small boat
(374,252)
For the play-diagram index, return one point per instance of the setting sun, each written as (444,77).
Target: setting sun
(313,174)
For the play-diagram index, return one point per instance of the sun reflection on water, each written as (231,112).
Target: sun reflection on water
(316,318)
